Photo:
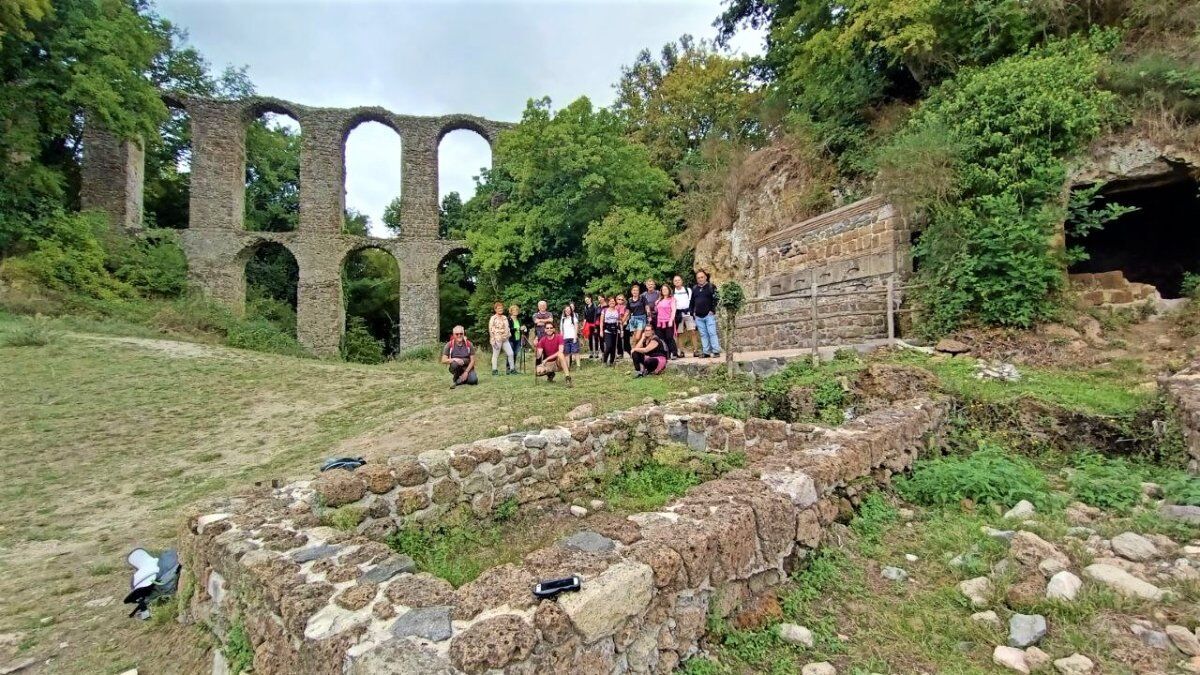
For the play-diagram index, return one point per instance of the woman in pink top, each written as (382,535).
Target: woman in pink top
(664,324)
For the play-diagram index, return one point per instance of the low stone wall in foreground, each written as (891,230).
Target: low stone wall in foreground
(313,599)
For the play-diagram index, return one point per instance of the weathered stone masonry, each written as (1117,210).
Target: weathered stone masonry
(217,244)
(853,248)
(316,600)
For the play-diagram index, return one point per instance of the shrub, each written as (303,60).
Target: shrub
(239,652)
(68,256)
(32,334)
(1104,482)
(829,397)
(647,485)
(448,549)
(154,264)
(358,345)
(345,518)
(987,476)
(1182,489)
(423,353)
(261,335)
(874,515)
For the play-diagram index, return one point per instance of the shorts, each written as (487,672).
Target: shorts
(570,347)
(548,366)
(637,323)
(686,322)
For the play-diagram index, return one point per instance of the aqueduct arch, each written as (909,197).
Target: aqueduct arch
(216,236)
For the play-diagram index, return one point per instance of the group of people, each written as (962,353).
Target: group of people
(652,325)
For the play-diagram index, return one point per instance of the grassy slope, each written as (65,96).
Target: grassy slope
(107,440)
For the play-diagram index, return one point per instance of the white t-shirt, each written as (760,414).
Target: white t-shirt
(683,299)
(568,326)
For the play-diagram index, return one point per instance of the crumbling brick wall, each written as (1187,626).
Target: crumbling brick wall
(316,600)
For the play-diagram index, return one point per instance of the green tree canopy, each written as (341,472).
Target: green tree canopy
(554,176)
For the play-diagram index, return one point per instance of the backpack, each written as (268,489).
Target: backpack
(450,345)
(153,578)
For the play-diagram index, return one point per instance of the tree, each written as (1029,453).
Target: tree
(627,245)
(272,177)
(732,299)
(451,216)
(555,175)
(15,14)
(391,217)
(50,80)
(691,94)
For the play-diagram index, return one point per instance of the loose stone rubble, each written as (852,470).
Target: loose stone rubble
(316,600)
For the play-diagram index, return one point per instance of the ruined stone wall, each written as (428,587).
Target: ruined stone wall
(316,600)
(850,253)
(216,241)
(1183,391)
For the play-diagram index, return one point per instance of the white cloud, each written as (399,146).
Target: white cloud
(426,58)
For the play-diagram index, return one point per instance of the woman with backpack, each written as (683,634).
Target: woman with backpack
(610,331)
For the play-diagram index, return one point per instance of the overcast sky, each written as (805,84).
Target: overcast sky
(431,58)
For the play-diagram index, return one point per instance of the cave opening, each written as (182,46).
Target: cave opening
(1156,243)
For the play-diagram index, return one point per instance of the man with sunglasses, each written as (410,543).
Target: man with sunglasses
(459,354)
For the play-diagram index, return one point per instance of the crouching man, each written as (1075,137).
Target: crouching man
(459,354)
(551,355)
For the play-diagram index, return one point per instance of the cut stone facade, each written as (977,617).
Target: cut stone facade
(316,600)
(216,241)
(849,253)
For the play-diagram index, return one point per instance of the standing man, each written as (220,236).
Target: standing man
(553,358)
(704,308)
(541,319)
(499,333)
(459,354)
(685,323)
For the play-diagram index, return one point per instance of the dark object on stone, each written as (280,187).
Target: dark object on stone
(347,463)
(549,589)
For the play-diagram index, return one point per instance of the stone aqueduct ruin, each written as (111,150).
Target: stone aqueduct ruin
(217,244)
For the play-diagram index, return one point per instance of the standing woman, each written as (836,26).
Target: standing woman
(685,323)
(569,329)
(664,321)
(591,322)
(516,332)
(499,333)
(610,330)
(623,340)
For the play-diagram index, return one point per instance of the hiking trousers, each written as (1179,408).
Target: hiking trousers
(506,347)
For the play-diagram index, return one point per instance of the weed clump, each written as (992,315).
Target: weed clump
(358,345)
(988,476)
(1104,482)
(33,334)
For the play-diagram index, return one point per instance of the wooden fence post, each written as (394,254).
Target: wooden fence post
(816,355)
(891,306)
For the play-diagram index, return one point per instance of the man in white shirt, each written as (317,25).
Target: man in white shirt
(684,321)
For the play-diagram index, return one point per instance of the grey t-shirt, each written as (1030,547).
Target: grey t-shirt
(456,351)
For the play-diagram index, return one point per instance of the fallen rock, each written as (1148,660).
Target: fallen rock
(589,542)
(988,618)
(578,511)
(1003,535)
(1155,639)
(1022,510)
(1005,372)
(1026,629)
(1184,640)
(1123,582)
(1063,586)
(1011,658)
(893,573)
(1049,567)
(1036,659)
(1075,664)
(1030,550)
(605,602)
(1079,513)
(1180,512)
(951,346)
(978,590)
(1135,547)
(819,668)
(795,634)
(582,412)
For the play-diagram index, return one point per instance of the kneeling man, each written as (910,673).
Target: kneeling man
(550,352)
(459,354)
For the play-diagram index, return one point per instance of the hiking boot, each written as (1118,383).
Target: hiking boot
(549,377)
(716,354)
(495,372)
(705,355)
(568,382)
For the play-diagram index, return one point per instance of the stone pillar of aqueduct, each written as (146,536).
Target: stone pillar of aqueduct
(217,244)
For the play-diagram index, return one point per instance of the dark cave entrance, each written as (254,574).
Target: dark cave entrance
(1157,243)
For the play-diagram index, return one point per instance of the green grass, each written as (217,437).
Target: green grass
(988,476)
(647,486)
(1103,391)
(456,550)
